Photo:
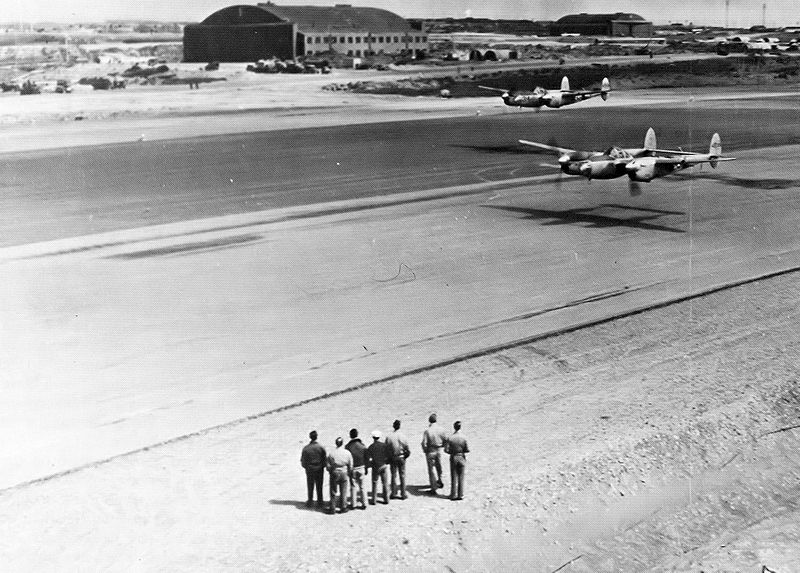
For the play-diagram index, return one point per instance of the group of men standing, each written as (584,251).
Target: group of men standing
(348,465)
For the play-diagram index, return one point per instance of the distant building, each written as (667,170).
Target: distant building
(619,24)
(486,26)
(249,33)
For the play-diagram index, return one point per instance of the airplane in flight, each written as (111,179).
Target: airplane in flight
(551,98)
(639,164)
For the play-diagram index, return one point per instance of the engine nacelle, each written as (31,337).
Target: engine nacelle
(598,170)
(555,100)
(641,170)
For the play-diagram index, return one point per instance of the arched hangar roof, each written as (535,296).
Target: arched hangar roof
(338,17)
(322,18)
(241,15)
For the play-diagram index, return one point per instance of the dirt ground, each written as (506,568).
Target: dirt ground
(639,444)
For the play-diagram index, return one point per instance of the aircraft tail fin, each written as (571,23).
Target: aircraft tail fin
(605,87)
(564,84)
(715,150)
(650,140)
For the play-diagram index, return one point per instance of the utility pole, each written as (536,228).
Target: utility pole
(727,11)
(764,14)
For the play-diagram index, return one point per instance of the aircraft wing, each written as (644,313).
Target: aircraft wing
(705,159)
(582,92)
(673,151)
(690,159)
(498,90)
(560,150)
(669,160)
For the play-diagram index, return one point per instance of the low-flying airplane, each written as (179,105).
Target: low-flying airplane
(640,164)
(551,98)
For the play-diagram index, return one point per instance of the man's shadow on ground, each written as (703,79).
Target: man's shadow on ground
(298,504)
(425,491)
(413,490)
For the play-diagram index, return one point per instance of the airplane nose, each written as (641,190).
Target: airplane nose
(586,169)
(564,159)
(632,167)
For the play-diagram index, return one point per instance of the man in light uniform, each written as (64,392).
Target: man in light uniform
(457,448)
(340,467)
(433,441)
(399,450)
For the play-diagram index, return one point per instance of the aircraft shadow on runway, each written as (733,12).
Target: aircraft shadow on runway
(515,148)
(585,215)
(733,181)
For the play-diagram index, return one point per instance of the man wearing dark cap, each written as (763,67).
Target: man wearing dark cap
(340,467)
(457,448)
(433,441)
(358,450)
(313,461)
(378,459)
(399,450)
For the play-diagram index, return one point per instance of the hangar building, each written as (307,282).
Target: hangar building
(619,24)
(247,33)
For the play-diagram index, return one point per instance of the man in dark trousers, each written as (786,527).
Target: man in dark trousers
(457,447)
(399,450)
(313,460)
(378,458)
(358,450)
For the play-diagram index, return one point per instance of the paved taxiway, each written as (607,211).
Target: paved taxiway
(131,342)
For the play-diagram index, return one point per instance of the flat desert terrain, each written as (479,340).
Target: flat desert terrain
(186,295)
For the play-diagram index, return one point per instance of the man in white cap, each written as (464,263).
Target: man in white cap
(378,461)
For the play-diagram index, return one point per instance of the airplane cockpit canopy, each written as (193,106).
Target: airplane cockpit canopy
(617,153)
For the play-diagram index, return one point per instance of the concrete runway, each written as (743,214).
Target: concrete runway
(118,341)
(59,193)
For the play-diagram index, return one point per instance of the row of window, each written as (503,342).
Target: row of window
(357,53)
(365,39)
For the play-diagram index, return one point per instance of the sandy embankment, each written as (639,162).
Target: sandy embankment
(652,427)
